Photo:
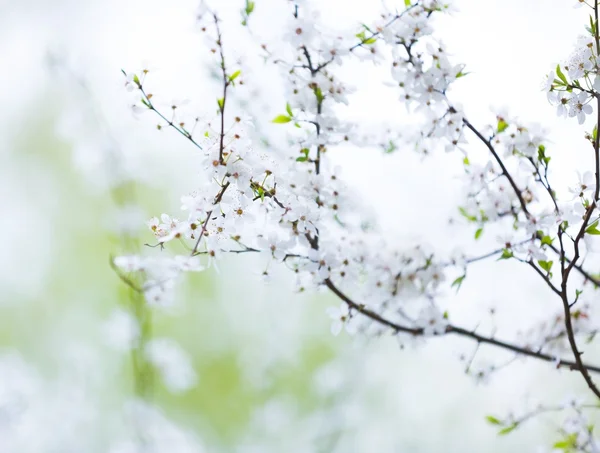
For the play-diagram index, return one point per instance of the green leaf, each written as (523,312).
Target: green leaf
(502,125)
(560,75)
(458,282)
(506,254)
(221,103)
(319,94)
(508,429)
(407,3)
(370,41)
(567,443)
(493,420)
(466,161)
(466,215)
(136,79)
(391,147)
(288,109)
(249,7)
(281,119)
(546,265)
(146,103)
(235,75)
(546,240)
(304,157)
(593,228)
(478,233)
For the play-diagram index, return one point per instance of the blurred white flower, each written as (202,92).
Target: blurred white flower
(121,330)
(173,364)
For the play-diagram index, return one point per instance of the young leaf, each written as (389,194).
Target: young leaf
(466,215)
(493,420)
(478,233)
(508,429)
(560,75)
(235,75)
(593,228)
(458,282)
(288,109)
(280,119)
(502,125)
(546,265)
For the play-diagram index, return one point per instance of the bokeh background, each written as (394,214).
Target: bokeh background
(80,174)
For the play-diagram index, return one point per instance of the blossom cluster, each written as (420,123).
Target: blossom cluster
(291,205)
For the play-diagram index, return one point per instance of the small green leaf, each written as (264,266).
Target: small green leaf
(508,429)
(458,282)
(567,443)
(506,254)
(370,41)
(281,119)
(146,103)
(235,75)
(288,109)
(502,125)
(546,265)
(319,94)
(221,103)
(466,161)
(493,420)
(466,215)
(391,147)
(593,228)
(362,36)
(560,75)
(301,159)
(478,233)
(546,240)
(407,3)
(249,7)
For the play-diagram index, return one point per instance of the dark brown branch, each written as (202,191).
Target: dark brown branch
(450,329)
(505,172)
(226,83)
(567,306)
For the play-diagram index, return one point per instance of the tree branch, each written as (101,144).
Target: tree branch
(451,329)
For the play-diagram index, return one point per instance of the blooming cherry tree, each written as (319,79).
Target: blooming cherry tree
(291,205)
